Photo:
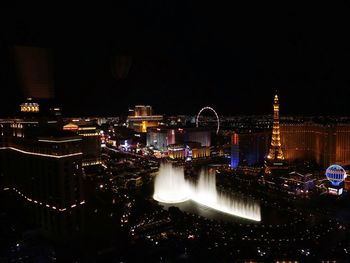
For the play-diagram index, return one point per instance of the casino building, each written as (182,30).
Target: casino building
(41,164)
(187,143)
(325,144)
(188,151)
(91,143)
(142,118)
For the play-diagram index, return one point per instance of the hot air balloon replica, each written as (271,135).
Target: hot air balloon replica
(336,176)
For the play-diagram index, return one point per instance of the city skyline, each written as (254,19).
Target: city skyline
(173,132)
(151,56)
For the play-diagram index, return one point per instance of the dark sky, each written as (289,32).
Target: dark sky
(184,57)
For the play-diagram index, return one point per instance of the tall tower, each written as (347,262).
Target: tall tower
(275,152)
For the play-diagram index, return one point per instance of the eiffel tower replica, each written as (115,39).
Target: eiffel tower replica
(275,158)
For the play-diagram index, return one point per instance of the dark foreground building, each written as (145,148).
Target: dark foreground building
(42,165)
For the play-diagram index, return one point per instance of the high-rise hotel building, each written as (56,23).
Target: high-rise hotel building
(91,143)
(142,118)
(325,144)
(42,165)
(234,150)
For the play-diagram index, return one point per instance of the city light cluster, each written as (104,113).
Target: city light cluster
(30,107)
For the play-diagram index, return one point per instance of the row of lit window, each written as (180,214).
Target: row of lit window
(89,134)
(91,163)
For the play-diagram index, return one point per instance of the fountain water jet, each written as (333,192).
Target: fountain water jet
(171,187)
(205,193)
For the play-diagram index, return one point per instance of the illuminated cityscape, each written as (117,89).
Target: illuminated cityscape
(155,133)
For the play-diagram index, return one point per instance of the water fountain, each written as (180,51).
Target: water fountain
(171,187)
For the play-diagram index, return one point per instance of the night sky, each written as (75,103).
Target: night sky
(180,58)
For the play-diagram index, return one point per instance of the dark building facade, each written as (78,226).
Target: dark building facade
(42,165)
(253,147)
(201,135)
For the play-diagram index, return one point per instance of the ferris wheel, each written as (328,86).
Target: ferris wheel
(217,117)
